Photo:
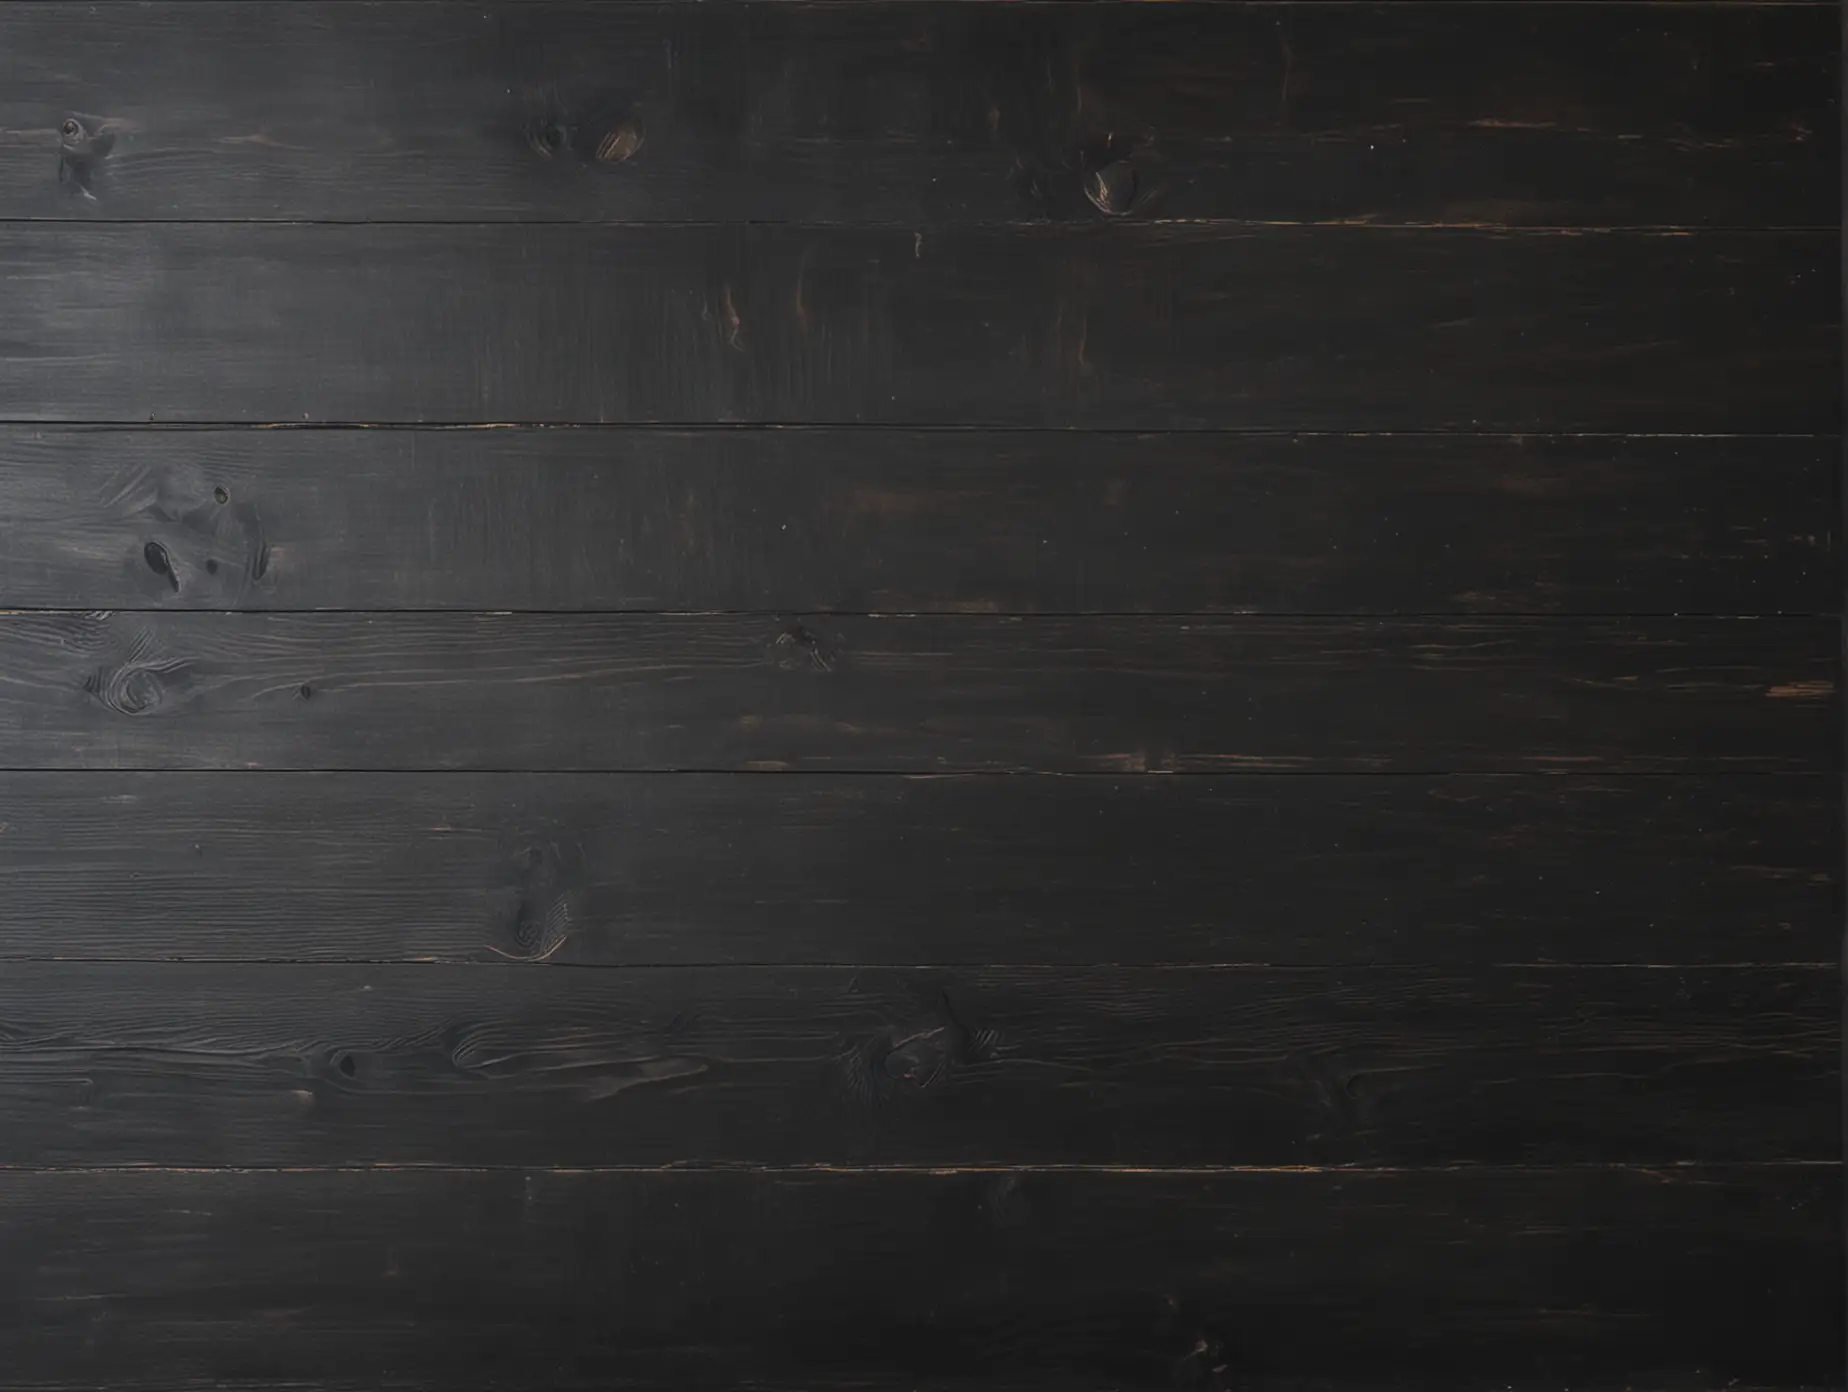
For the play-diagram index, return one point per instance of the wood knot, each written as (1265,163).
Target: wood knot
(619,145)
(131,690)
(796,649)
(584,128)
(542,919)
(161,564)
(1205,1367)
(85,138)
(83,143)
(1112,188)
(547,138)
(1345,1091)
(190,537)
(916,1057)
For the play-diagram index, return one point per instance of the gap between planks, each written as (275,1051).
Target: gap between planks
(1438,616)
(101,426)
(1668,1168)
(1039,225)
(510,963)
(270,771)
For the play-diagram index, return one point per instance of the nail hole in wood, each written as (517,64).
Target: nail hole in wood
(305,691)
(221,495)
(211,565)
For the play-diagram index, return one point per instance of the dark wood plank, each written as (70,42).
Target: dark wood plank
(1139,326)
(850,520)
(1683,1278)
(728,868)
(259,1064)
(691,691)
(922,113)
(931,694)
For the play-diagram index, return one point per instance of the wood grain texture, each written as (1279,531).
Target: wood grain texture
(289,1064)
(915,521)
(1684,1278)
(946,694)
(1163,327)
(737,868)
(922,113)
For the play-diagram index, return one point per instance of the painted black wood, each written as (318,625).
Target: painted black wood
(915,521)
(259,1064)
(470,1281)
(737,868)
(488,691)
(1139,326)
(928,225)
(922,113)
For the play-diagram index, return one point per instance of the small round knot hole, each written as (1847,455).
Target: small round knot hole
(305,691)
(347,1066)
(221,495)
(70,128)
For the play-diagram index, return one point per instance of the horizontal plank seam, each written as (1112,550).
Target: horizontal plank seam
(1691,1167)
(1829,771)
(516,964)
(99,425)
(903,775)
(1036,225)
(1252,4)
(1226,617)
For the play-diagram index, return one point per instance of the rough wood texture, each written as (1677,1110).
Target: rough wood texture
(260,1064)
(850,520)
(487,691)
(1164,327)
(922,113)
(1690,1276)
(698,868)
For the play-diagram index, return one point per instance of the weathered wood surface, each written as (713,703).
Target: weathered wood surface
(1178,326)
(263,1064)
(915,521)
(947,694)
(739,868)
(443,1280)
(922,113)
